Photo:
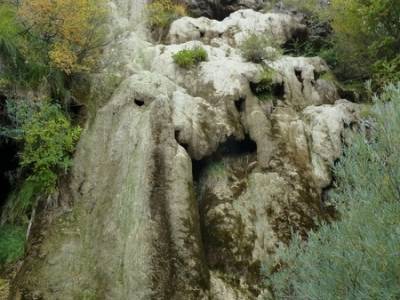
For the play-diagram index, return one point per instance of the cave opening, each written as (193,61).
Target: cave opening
(8,167)
(231,148)
(274,90)
(239,104)
(139,102)
(8,154)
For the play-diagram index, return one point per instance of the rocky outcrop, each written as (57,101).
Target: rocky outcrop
(221,8)
(233,29)
(186,180)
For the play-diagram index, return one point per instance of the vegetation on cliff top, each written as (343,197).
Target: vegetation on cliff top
(360,39)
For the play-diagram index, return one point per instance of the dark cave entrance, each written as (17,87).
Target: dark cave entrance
(8,157)
(8,166)
(230,148)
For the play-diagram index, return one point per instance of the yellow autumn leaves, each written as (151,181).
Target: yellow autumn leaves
(162,12)
(74,30)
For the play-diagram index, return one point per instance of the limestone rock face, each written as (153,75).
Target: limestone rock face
(301,79)
(187,180)
(117,240)
(236,27)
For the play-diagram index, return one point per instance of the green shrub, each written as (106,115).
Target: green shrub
(188,58)
(21,202)
(365,33)
(12,243)
(256,48)
(49,141)
(356,257)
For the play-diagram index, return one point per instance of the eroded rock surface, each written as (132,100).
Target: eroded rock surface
(186,180)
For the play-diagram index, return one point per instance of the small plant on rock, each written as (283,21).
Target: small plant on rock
(256,48)
(263,89)
(190,57)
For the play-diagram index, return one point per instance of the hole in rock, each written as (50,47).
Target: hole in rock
(184,145)
(202,33)
(139,102)
(351,95)
(239,104)
(297,42)
(270,91)
(317,75)
(278,90)
(76,110)
(299,77)
(230,148)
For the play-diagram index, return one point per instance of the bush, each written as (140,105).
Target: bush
(188,58)
(256,48)
(356,257)
(161,13)
(49,141)
(365,33)
(364,41)
(12,243)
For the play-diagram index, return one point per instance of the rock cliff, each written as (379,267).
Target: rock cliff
(185,181)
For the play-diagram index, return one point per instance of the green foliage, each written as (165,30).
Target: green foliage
(258,47)
(263,89)
(49,141)
(385,71)
(18,113)
(161,13)
(188,58)
(25,64)
(359,38)
(12,243)
(356,257)
(21,202)
(365,33)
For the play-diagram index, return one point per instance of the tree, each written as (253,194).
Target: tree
(367,35)
(73,30)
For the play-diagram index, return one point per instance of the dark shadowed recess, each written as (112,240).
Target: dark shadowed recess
(231,148)
(8,157)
